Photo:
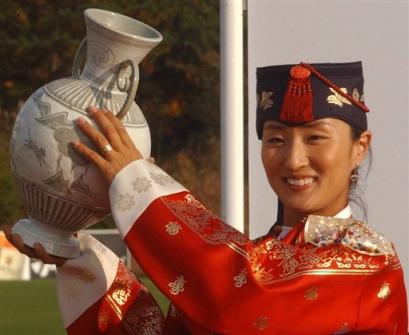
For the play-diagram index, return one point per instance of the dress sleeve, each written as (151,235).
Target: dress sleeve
(223,282)
(383,309)
(97,294)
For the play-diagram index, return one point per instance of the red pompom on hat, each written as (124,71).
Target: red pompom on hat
(299,93)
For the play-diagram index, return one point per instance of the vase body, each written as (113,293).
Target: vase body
(62,192)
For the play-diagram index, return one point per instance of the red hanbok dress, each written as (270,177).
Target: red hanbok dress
(327,276)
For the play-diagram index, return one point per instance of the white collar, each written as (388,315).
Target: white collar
(346,213)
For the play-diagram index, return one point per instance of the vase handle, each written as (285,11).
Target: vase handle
(127,84)
(79,56)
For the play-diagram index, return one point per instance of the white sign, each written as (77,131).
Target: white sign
(13,264)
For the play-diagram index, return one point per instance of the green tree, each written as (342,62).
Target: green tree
(179,81)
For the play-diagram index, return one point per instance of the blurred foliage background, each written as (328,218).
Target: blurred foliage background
(179,84)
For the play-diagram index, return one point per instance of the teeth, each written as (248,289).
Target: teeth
(299,182)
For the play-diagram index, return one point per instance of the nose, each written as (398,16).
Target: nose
(296,155)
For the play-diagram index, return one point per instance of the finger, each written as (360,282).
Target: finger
(97,159)
(90,154)
(94,135)
(45,257)
(7,233)
(123,134)
(18,242)
(107,127)
(151,160)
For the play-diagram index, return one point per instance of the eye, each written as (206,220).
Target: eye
(275,140)
(316,138)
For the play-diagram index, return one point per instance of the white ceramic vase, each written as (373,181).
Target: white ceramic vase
(62,192)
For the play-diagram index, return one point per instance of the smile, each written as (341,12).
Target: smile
(299,181)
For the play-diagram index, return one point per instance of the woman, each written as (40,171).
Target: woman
(320,272)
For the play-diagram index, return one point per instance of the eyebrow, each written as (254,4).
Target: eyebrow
(279,126)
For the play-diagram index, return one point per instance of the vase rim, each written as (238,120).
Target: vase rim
(126,26)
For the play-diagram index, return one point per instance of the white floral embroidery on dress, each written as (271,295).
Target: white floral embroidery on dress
(173,228)
(142,184)
(241,278)
(177,286)
(161,178)
(124,202)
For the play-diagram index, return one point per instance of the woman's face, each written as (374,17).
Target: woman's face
(309,166)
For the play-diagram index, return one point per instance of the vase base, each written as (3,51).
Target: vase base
(55,241)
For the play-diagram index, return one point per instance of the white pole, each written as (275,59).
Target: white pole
(231,112)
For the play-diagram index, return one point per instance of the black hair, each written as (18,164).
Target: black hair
(356,191)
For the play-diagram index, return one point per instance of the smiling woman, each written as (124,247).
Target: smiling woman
(309,166)
(321,272)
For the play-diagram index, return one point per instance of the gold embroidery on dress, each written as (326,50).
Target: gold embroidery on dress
(343,330)
(114,307)
(311,294)
(205,224)
(240,279)
(338,99)
(124,202)
(275,261)
(121,296)
(142,184)
(265,101)
(261,323)
(173,228)
(144,317)
(290,262)
(177,286)
(384,291)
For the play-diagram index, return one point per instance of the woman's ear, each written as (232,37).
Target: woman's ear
(363,145)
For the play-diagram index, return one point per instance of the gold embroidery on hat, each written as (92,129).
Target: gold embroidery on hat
(311,294)
(265,101)
(177,286)
(261,323)
(384,291)
(355,94)
(338,99)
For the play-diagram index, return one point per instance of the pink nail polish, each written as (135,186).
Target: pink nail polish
(80,120)
(91,110)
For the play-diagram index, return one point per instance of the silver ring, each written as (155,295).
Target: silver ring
(106,149)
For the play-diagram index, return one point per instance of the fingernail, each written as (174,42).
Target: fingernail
(92,110)
(80,120)
(75,143)
(104,110)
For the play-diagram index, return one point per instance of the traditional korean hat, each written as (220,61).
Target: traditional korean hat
(297,94)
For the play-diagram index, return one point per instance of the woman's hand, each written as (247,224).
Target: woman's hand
(37,251)
(116,147)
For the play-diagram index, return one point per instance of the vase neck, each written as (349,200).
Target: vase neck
(112,39)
